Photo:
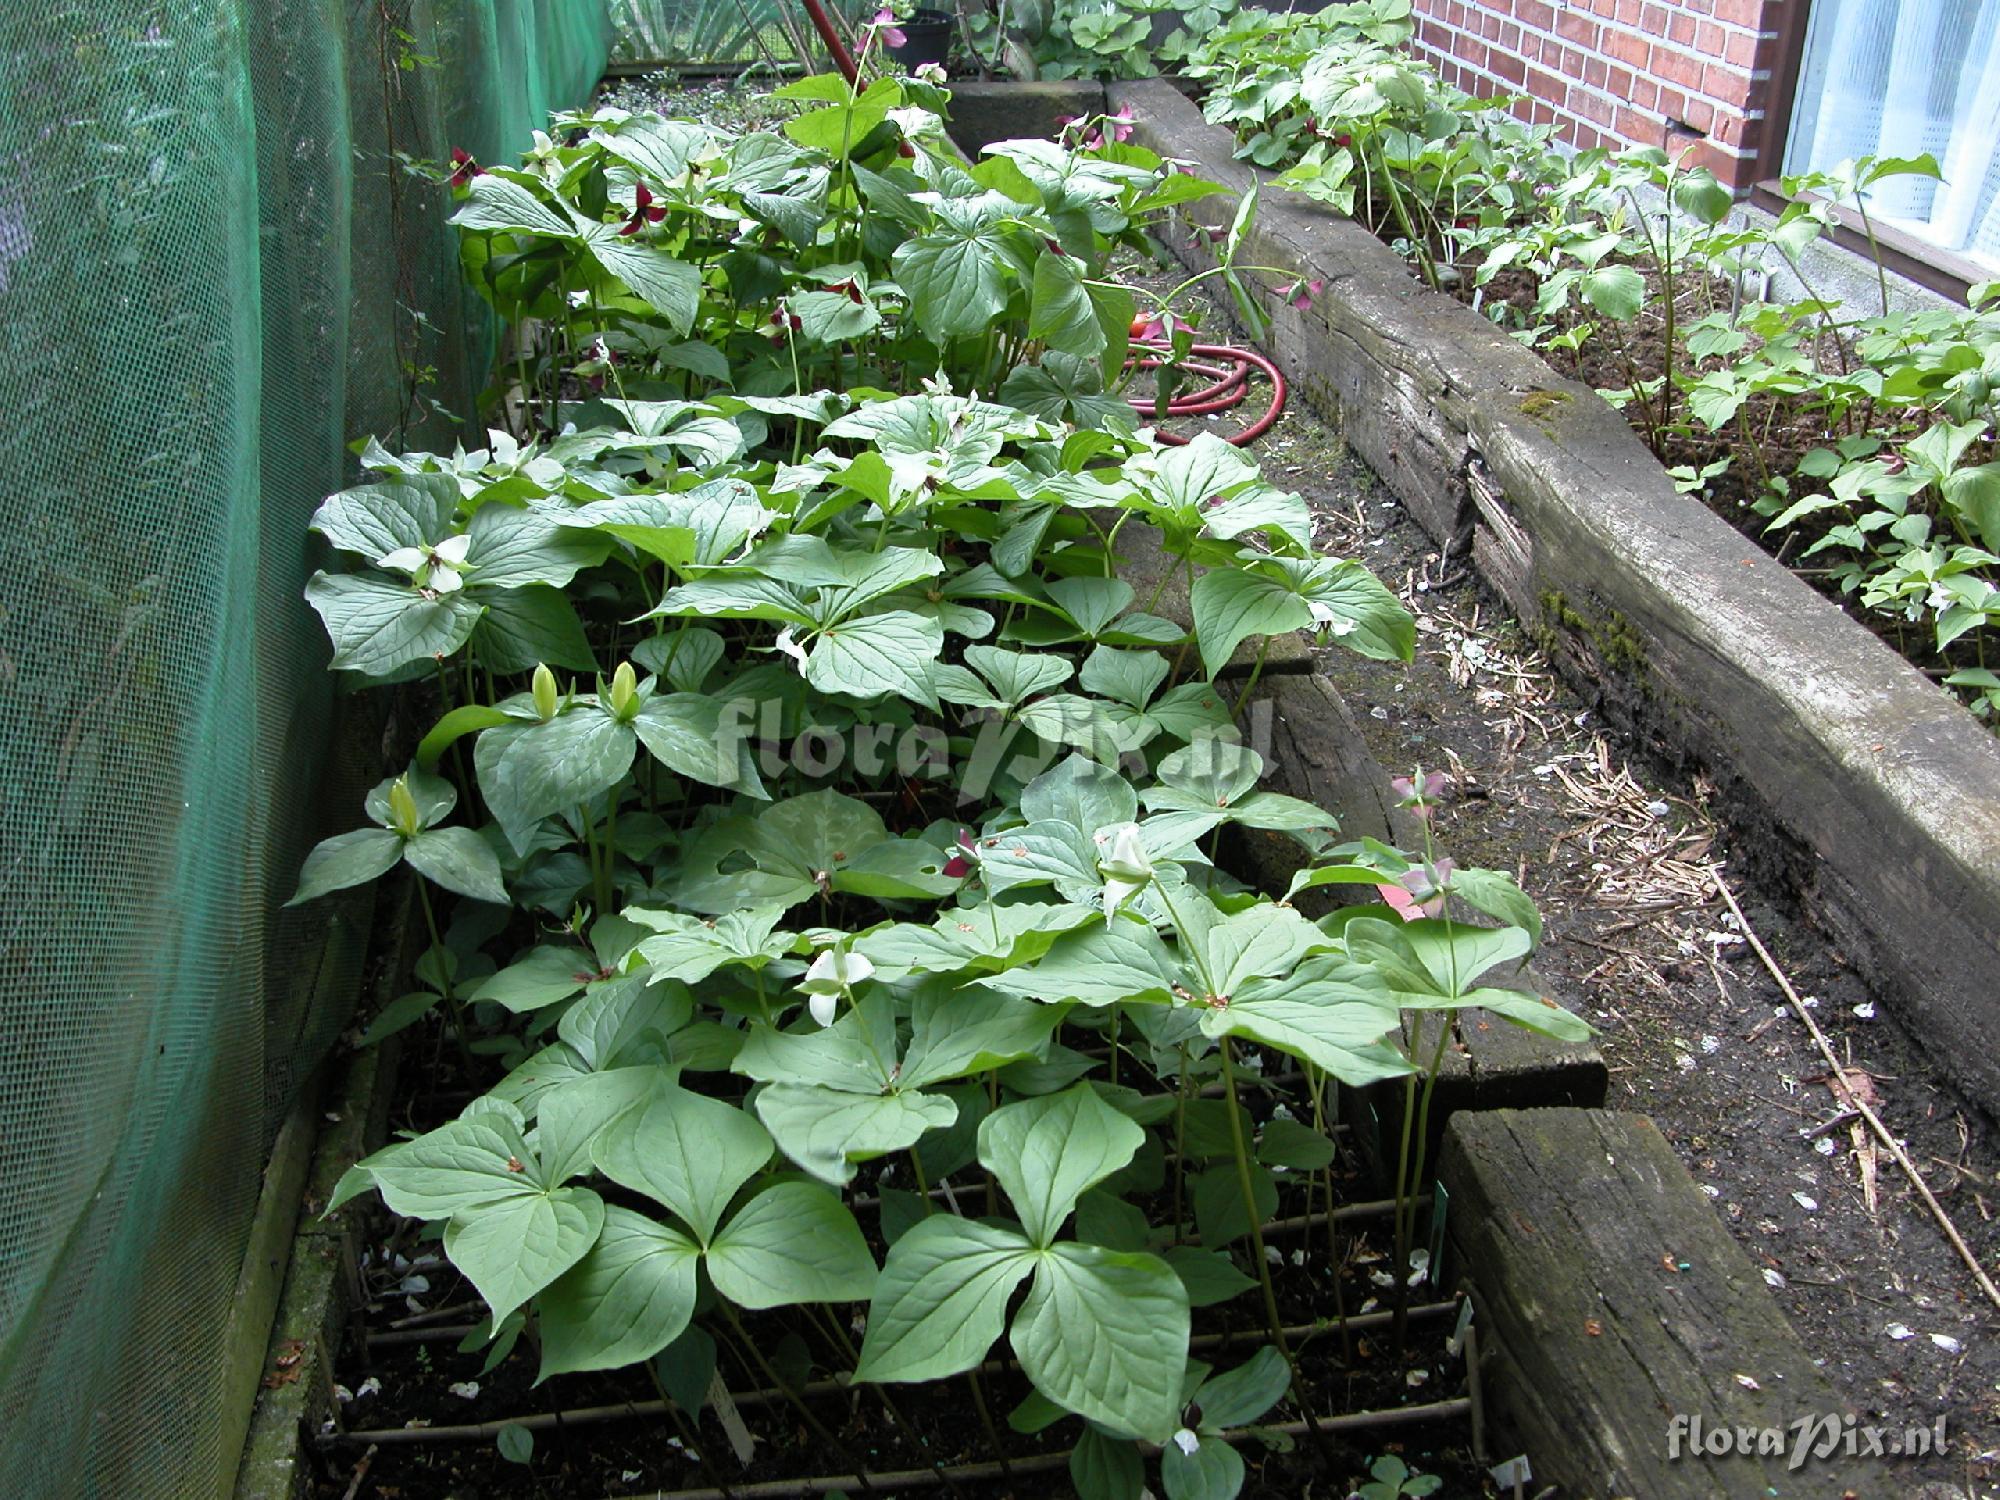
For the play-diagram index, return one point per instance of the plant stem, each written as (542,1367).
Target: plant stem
(605,890)
(1242,1154)
(690,1439)
(451,999)
(1410,1170)
(853,1356)
(1256,671)
(825,1434)
(1316,1083)
(986,1421)
(1180,1131)
(1874,250)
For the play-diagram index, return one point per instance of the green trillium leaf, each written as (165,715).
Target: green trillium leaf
(513,1248)
(624,1301)
(1046,1152)
(1105,1334)
(941,1300)
(347,859)
(791,1243)
(686,1151)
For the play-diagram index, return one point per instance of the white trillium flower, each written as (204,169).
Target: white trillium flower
(791,648)
(1124,863)
(1325,614)
(435,568)
(1187,1441)
(834,973)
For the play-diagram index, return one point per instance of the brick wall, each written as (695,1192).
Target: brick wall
(1621,72)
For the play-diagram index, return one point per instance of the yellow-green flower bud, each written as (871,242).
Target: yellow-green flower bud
(624,691)
(544,691)
(403,816)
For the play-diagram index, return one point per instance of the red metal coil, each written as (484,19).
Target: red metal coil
(1226,392)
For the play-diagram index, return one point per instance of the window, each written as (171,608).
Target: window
(1901,78)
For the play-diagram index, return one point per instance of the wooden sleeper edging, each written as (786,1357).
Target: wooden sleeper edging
(1612,1302)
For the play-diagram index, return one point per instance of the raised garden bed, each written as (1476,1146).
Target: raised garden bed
(1875,786)
(756,917)
(703,1021)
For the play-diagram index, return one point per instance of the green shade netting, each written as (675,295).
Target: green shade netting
(695,34)
(214,272)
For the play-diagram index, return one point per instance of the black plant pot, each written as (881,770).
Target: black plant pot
(926,38)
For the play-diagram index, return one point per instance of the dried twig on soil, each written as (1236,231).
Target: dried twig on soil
(360,1472)
(1854,1099)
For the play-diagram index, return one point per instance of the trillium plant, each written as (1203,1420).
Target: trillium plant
(1865,437)
(838,810)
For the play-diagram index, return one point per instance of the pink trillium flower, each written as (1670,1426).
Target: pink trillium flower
(1120,124)
(1419,892)
(885,27)
(1422,797)
(1303,292)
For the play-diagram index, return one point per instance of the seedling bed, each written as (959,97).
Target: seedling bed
(433,1421)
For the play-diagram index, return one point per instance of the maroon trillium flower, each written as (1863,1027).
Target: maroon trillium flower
(463,167)
(960,864)
(644,211)
(849,289)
